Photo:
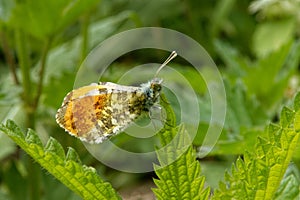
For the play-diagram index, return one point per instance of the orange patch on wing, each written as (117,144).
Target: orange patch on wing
(82,114)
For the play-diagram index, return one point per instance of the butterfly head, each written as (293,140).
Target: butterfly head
(155,85)
(153,88)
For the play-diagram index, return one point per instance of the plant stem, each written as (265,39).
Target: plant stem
(9,56)
(84,36)
(42,73)
(23,58)
(34,178)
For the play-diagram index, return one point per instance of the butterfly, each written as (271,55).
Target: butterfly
(96,112)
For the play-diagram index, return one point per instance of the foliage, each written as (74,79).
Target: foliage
(179,172)
(258,174)
(255,44)
(67,168)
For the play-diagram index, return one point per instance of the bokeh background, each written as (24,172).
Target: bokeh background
(255,45)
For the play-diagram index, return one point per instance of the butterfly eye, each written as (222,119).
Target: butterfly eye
(155,86)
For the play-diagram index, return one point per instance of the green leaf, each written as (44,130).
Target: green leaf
(290,185)
(245,119)
(260,78)
(272,35)
(81,179)
(287,115)
(72,155)
(63,60)
(54,146)
(297,102)
(234,61)
(219,17)
(267,78)
(179,171)
(259,174)
(32,137)
(43,19)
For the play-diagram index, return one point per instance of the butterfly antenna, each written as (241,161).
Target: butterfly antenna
(172,55)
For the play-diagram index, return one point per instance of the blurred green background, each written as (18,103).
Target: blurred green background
(254,44)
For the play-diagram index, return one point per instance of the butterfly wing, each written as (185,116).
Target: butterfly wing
(98,111)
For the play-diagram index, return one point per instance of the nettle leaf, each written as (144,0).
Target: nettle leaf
(258,174)
(245,119)
(266,78)
(269,77)
(83,180)
(179,171)
(232,58)
(243,110)
(290,185)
